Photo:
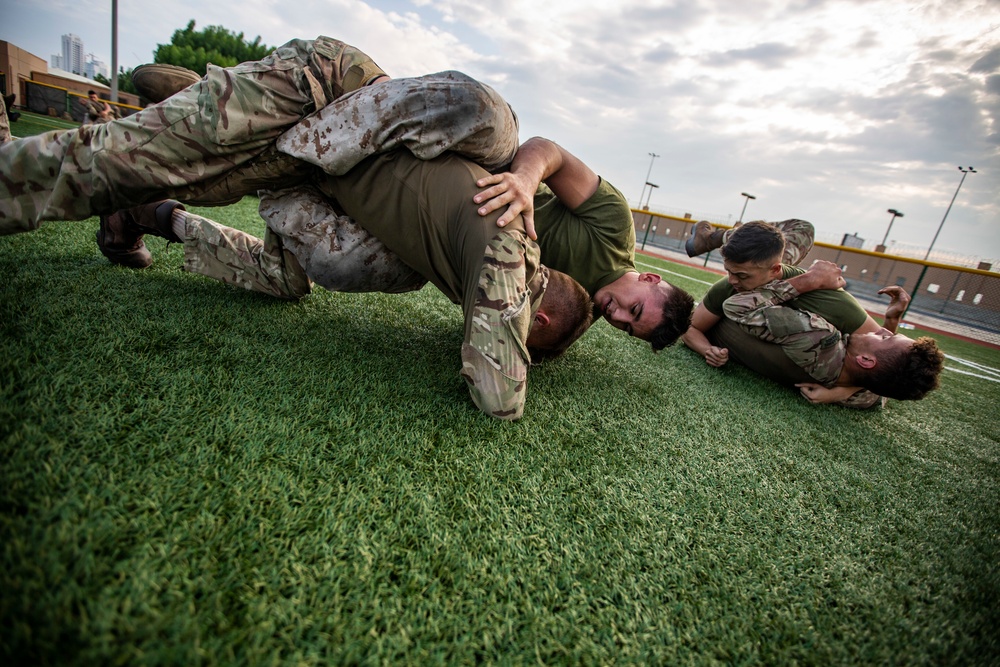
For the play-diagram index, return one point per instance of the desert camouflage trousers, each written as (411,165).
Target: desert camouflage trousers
(307,241)
(193,146)
(428,115)
(799,236)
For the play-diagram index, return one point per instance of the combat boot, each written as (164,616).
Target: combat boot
(120,234)
(704,238)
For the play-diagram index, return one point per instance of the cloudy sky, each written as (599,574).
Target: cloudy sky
(828,110)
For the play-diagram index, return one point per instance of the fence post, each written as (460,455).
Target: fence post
(913,294)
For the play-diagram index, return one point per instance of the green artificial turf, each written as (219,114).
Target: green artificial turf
(194,474)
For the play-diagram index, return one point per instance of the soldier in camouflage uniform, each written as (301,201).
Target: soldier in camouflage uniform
(214,142)
(514,307)
(772,251)
(4,123)
(885,364)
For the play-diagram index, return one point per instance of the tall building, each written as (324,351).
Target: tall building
(93,66)
(72,54)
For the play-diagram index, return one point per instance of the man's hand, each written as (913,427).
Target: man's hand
(821,275)
(516,192)
(716,356)
(899,300)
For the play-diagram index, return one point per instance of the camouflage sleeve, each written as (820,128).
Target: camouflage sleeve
(862,400)
(815,345)
(495,355)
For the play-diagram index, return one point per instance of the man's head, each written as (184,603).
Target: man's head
(893,365)
(647,307)
(752,255)
(565,313)
(92,95)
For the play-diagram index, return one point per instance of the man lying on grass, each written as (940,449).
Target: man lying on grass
(263,124)
(516,310)
(760,261)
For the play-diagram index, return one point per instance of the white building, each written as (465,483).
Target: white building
(93,66)
(72,54)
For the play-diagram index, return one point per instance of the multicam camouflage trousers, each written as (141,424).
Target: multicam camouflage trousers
(799,236)
(185,144)
(214,142)
(306,241)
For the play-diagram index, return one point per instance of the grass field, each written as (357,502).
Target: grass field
(193,474)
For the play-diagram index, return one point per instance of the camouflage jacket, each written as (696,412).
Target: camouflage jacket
(815,345)
(495,355)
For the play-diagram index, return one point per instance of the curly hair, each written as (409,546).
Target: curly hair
(907,375)
(572,314)
(676,319)
(755,242)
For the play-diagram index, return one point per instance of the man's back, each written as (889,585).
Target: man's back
(423,211)
(594,243)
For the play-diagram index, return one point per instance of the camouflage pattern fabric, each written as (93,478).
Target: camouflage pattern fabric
(495,355)
(307,241)
(335,251)
(4,123)
(799,236)
(97,113)
(428,115)
(180,147)
(815,345)
(241,259)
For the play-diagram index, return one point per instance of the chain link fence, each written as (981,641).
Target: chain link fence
(957,300)
(45,99)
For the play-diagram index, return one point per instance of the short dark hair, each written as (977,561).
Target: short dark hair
(906,375)
(757,242)
(572,312)
(676,319)
(91,92)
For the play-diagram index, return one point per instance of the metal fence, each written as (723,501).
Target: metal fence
(958,300)
(51,100)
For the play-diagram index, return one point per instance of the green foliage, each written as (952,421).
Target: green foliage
(214,44)
(196,474)
(125,84)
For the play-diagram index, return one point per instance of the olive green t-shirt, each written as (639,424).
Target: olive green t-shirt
(835,306)
(595,244)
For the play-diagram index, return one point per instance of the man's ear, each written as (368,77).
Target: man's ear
(649,278)
(866,361)
(541,319)
(775,270)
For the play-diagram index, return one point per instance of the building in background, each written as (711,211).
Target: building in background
(72,59)
(93,67)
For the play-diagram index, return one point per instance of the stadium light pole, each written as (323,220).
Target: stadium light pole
(965,172)
(895,214)
(745,202)
(652,156)
(649,223)
(114,50)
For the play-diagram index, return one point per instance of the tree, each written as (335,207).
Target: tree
(214,44)
(124,81)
